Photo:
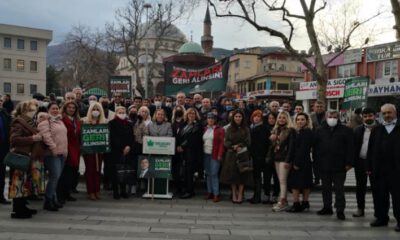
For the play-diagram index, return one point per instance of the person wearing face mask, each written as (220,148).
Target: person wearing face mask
(168,108)
(333,151)
(93,162)
(24,139)
(384,167)
(55,137)
(121,141)
(362,135)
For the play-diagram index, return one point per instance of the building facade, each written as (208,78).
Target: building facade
(23,54)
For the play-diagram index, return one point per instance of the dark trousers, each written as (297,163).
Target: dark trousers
(189,165)
(2,177)
(64,187)
(316,172)
(270,172)
(361,183)
(333,181)
(382,187)
(107,173)
(259,168)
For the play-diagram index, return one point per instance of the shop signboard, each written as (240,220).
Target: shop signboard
(376,90)
(383,52)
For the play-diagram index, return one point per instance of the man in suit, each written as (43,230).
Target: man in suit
(384,167)
(145,171)
(333,151)
(362,135)
(318,116)
(5,121)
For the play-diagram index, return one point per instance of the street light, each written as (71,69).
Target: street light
(146,73)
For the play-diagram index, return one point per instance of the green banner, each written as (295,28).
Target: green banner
(212,78)
(95,138)
(355,93)
(154,166)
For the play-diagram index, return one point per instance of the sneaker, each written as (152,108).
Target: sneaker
(325,211)
(359,213)
(280,206)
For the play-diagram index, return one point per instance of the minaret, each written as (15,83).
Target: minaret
(207,39)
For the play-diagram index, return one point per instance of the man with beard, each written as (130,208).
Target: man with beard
(197,99)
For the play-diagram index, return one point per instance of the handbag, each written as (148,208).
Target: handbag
(243,161)
(125,173)
(17,161)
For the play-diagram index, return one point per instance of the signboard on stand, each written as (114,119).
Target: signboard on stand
(159,145)
(121,84)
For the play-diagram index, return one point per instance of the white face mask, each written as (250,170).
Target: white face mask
(45,104)
(92,102)
(168,104)
(121,115)
(332,122)
(30,114)
(95,113)
(157,103)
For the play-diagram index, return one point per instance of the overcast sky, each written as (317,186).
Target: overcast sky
(60,15)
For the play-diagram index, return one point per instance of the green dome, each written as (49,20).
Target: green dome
(191,48)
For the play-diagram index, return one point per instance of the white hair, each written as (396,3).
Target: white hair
(389,105)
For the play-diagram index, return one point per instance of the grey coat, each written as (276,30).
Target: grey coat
(160,130)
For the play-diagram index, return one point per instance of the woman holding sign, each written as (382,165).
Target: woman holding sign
(121,141)
(93,162)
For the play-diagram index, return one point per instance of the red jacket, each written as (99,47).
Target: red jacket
(218,143)
(74,143)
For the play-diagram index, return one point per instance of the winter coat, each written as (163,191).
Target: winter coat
(121,135)
(55,136)
(279,150)
(164,129)
(259,144)
(300,145)
(333,148)
(74,143)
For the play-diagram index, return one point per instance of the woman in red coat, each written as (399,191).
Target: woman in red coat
(72,122)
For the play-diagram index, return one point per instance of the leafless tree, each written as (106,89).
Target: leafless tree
(396,14)
(291,14)
(90,57)
(138,24)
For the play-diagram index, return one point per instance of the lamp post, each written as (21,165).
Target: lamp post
(146,71)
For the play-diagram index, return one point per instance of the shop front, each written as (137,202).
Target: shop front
(379,94)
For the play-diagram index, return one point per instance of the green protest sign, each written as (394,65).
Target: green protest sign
(154,166)
(355,93)
(95,138)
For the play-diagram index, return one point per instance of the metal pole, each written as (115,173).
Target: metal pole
(146,73)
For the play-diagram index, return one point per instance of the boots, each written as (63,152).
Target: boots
(295,208)
(56,203)
(49,205)
(305,206)
(20,211)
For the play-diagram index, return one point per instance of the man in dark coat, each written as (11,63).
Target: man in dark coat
(384,166)
(317,117)
(333,151)
(5,121)
(362,135)
(8,104)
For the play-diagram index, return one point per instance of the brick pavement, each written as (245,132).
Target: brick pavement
(137,218)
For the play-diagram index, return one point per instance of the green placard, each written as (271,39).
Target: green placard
(95,138)
(154,166)
(355,93)
(120,84)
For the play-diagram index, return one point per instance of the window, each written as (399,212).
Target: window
(7,42)
(33,45)
(283,86)
(271,66)
(260,86)
(20,88)
(33,66)
(237,63)
(247,64)
(7,64)
(20,65)
(33,89)
(348,70)
(387,68)
(21,44)
(7,87)
(282,67)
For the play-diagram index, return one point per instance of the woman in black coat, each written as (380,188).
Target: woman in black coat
(121,141)
(190,146)
(300,176)
(258,150)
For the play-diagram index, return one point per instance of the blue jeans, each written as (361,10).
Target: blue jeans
(211,167)
(54,165)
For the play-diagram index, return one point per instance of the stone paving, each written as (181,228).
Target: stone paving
(137,218)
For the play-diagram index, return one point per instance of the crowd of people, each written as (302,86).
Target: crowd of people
(242,144)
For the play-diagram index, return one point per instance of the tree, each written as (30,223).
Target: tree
(52,80)
(90,57)
(139,24)
(290,16)
(396,14)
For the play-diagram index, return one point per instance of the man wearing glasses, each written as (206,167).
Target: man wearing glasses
(384,167)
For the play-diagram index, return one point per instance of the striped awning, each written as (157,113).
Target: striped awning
(96,91)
